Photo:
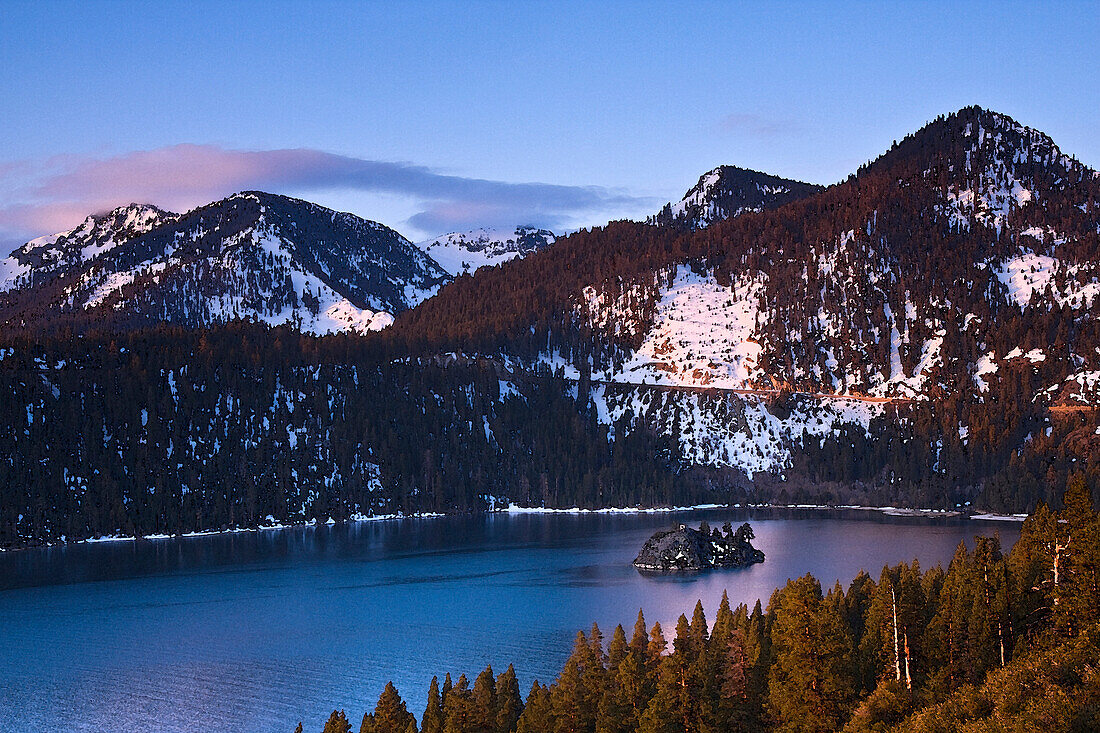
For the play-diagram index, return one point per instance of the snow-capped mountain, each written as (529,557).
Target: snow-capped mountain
(924,333)
(728,191)
(460,252)
(962,266)
(252,256)
(40,259)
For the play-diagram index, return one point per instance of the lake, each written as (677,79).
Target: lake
(258,630)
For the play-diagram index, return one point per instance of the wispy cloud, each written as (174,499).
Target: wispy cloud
(756,125)
(55,194)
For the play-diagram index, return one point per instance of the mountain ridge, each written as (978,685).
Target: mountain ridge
(252,255)
(925,333)
(728,191)
(958,271)
(466,252)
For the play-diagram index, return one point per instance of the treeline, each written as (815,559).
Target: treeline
(1002,456)
(995,642)
(168,431)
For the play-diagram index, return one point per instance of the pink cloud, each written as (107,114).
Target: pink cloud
(56,194)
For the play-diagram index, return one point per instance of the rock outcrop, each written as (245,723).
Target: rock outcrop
(687,549)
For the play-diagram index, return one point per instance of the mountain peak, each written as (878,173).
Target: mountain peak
(728,191)
(982,167)
(43,257)
(252,256)
(460,252)
(975,130)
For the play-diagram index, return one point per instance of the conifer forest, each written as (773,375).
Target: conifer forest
(995,642)
(391,367)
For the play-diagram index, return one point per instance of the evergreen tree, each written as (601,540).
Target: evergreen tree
(1077,595)
(656,647)
(458,707)
(337,723)
(538,713)
(811,682)
(509,701)
(432,720)
(639,640)
(484,713)
(569,696)
(390,714)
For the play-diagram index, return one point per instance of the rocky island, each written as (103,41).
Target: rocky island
(687,549)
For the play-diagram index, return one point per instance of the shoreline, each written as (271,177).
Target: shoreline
(891,511)
(104,539)
(517,510)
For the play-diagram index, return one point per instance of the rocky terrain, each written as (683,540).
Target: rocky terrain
(687,549)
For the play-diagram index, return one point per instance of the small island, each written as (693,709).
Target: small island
(686,549)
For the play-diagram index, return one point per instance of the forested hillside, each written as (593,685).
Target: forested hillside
(171,431)
(994,642)
(948,287)
(922,334)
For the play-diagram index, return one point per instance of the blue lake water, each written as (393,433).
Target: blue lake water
(256,631)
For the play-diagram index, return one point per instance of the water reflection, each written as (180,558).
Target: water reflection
(258,630)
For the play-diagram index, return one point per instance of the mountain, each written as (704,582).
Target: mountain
(41,259)
(467,251)
(923,333)
(942,298)
(252,256)
(728,191)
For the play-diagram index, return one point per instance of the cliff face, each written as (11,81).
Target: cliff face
(687,549)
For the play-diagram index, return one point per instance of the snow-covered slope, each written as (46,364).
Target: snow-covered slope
(701,334)
(728,191)
(252,256)
(460,252)
(965,264)
(723,429)
(41,258)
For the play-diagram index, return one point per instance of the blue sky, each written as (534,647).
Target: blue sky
(426,116)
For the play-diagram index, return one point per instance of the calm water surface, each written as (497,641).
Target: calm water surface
(256,631)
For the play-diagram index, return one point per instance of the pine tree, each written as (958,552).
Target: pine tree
(656,647)
(698,634)
(458,707)
(639,640)
(390,714)
(538,713)
(679,703)
(733,669)
(811,682)
(484,714)
(569,696)
(509,701)
(432,720)
(337,723)
(1077,592)
(617,649)
(593,676)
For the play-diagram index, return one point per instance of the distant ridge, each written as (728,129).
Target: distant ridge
(728,191)
(252,256)
(461,252)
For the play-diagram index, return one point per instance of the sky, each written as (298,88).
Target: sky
(433,117)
